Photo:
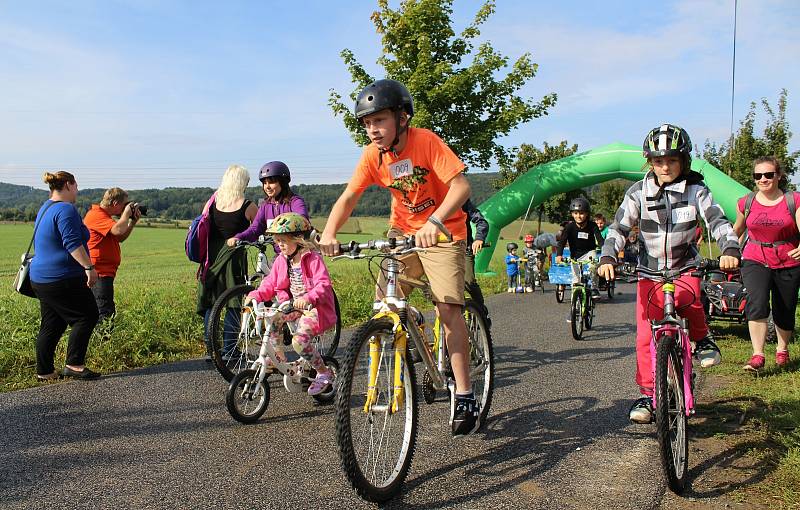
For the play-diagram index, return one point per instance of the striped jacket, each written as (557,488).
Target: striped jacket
(667,220)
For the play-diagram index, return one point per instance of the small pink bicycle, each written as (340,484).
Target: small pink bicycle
(673,399)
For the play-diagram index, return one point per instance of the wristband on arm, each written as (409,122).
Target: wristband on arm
(436,221)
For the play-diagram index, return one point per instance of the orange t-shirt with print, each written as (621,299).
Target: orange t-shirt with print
(103,245)
(417,178)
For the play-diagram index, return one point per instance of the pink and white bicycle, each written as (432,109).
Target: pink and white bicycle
(673,399)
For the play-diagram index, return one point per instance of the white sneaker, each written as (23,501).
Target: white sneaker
(642,411)
(528,289)
(511,290)
(707,353)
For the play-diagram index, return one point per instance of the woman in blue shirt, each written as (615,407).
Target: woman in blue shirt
(61,276)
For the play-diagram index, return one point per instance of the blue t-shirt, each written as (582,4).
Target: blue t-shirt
(512,269)
(60,232)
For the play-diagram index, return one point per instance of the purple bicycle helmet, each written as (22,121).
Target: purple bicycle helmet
(274,169)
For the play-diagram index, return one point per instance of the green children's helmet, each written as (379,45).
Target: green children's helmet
(290,223)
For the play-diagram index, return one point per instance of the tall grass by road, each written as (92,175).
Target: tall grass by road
(155,294)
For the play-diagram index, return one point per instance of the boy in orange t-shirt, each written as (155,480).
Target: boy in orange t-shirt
(428,189)
(105,234)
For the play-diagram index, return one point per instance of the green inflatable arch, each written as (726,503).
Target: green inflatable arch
(613,161)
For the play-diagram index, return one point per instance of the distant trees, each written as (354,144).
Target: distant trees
(736,159)
(21,203)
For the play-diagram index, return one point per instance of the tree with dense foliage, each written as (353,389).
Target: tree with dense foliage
(468,106)
(607,197)
(736,159)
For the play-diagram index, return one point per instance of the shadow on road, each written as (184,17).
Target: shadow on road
(529,441)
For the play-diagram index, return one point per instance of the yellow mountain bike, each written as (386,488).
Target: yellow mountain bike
(376,404)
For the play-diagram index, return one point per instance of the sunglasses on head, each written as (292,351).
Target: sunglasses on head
(769,175)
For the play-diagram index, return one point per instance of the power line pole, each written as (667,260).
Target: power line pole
(733,84)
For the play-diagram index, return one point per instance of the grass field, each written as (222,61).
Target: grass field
(155,294)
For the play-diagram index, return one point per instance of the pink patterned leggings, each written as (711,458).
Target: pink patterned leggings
(306,325)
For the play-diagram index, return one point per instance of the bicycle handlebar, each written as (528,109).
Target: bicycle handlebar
(398,245)
(262,242)
(701,266)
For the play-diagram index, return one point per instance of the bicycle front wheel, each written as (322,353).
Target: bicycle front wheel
(231,340)
(560,289)
(481,357)
(588,317)
(671,414)
(376,444)
(247,397)
(576,316)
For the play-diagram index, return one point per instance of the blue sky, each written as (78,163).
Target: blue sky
(144,94)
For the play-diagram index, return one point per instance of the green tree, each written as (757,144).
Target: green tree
(607,197)
(736,160)
(468,106)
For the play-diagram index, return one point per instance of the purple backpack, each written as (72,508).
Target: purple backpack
(197,239)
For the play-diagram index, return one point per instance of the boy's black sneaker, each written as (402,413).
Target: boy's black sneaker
(465,417)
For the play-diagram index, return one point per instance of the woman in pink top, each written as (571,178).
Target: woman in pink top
(770,260)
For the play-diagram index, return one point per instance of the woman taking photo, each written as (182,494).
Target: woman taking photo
(61,276)
(770,259)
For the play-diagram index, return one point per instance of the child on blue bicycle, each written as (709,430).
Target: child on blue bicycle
(512,266)
(299,275)
(666,204)
(584,239)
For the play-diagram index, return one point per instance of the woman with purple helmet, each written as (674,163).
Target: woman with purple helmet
(274,177)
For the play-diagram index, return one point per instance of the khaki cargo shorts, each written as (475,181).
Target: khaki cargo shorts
(442,266)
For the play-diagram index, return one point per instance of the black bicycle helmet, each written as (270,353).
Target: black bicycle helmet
(383,94)
(667,140)
(274,169)
(579,204)
(511,246)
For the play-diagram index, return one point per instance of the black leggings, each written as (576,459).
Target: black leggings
(64,303)
(781,284)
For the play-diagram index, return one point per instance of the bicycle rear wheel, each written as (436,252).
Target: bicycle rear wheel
(481,357)
(327,342)
(671,414)
(560,289)
(375,445)
(576,314)
(232,340)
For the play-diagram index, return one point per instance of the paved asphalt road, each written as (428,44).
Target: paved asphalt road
(557,436)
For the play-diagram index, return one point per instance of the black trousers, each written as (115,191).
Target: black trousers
(779,284)
(103,292)
(64,303)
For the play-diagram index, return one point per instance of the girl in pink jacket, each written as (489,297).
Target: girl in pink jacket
(299,276)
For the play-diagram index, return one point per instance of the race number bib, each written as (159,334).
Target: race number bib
(684,215)
(401,169)
(583,235)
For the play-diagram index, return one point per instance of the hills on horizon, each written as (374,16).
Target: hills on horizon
(20,203)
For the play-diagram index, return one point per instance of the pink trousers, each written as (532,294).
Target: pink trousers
(655,310)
